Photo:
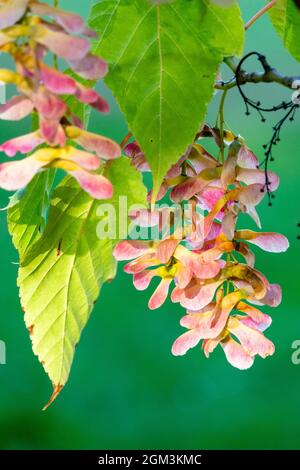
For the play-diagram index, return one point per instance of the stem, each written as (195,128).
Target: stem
(221,114)
(55,60)
(259,14)
(225,285)
(231,63)
(126,140)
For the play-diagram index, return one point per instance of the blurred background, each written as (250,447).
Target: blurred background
(126,390)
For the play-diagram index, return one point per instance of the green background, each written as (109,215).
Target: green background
(126,390)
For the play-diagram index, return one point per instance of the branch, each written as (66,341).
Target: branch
(259,14)
(269,75)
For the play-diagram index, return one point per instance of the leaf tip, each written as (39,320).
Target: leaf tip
(56,391)
(30,329)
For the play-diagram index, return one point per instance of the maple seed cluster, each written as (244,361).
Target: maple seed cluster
(210,266)
(29,30)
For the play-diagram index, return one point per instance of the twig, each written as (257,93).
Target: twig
(269,75)
(275,139)
(248,101)
(259,14)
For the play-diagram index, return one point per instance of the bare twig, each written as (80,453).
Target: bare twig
(259,14)
(269,75)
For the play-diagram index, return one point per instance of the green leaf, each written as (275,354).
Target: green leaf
(28,211)
(62,273)
(285,16)
(163,63)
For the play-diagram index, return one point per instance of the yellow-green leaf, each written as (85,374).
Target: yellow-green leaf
(62,273)
(163,63)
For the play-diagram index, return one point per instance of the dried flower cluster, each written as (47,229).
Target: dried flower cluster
(210,264)
(29,30)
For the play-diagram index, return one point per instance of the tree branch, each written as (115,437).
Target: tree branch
(269,75)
